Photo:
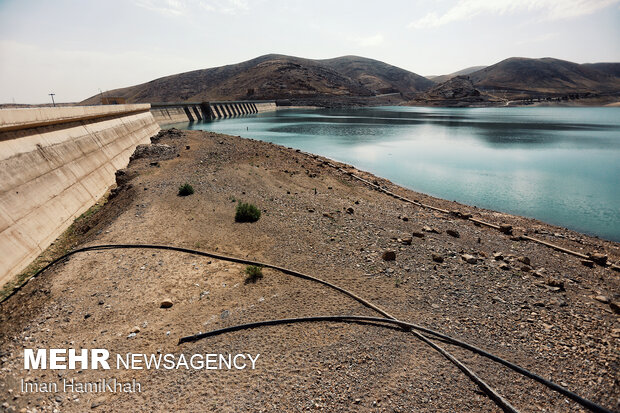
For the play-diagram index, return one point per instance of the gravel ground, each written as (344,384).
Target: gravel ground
(523,301)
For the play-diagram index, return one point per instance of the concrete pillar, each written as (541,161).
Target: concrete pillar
(217,111)
(197,113)
(188,113)
(207,112)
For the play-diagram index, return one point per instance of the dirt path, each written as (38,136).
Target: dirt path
(317,220)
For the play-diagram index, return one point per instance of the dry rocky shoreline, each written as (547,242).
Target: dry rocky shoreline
(530,304)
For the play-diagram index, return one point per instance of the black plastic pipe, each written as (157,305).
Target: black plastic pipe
(390,319)
(406,326)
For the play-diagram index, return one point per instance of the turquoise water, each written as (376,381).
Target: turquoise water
(559,165)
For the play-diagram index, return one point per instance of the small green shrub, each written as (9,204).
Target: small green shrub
(186,189)
(254,273)
(247,213)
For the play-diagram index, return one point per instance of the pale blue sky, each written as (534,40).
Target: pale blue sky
(76,47)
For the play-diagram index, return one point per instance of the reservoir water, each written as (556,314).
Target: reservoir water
(558,165)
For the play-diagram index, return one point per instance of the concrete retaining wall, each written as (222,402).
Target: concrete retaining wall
(55,163)
(168,113)
(265,107)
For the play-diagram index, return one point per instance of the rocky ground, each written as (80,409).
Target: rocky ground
(523,301)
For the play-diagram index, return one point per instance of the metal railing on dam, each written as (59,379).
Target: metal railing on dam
(176,112)
(55,163)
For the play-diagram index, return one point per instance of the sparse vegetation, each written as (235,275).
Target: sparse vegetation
(186,189)
(253,273)
(247,212)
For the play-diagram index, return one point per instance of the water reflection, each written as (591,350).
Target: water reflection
(560,165)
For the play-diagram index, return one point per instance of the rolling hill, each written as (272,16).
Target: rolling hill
(462,72)
(279,77)
(379,77)
(354,80)
(612,69)
(546,76)
(458,91)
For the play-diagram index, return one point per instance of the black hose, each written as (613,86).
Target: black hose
(406,326)
(614,267)
(390,319)
(201,253)
(493,395)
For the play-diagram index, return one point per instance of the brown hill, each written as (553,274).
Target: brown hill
(466,71)
(544,76)
(612,69)
(378,76)
(458,91)
(278,77)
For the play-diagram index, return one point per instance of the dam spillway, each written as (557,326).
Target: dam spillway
(55,163)
(167,113)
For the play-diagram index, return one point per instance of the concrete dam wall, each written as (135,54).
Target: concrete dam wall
(55,163)
(167,113)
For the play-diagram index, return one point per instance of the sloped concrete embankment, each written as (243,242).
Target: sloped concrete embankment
(55,163)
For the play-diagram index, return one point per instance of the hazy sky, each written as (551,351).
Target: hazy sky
(76,47)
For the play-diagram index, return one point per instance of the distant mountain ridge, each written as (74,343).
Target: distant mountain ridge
(354,80)
(466,71)
(379,77)
(456,91)
(612,69)
(547,76)
(276,76)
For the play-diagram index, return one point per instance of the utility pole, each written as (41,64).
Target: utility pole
(52,95)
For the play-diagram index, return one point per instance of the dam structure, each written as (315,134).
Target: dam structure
(55,163)
(167,113)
